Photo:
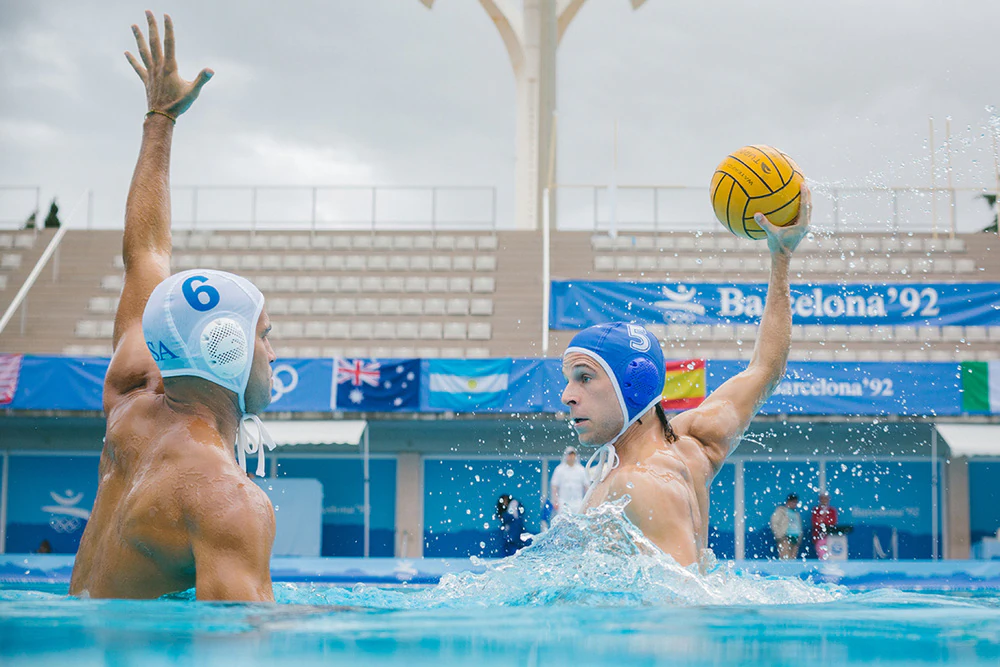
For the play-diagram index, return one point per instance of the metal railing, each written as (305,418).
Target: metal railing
(666,208)
(21,298)
(362,207)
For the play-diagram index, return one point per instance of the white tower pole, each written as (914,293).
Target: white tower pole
(531,34)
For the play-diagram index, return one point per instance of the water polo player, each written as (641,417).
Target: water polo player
(191,368)
(615,375)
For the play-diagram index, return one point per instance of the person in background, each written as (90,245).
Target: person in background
(511,515)
(824,520)
(44,548)
(569,483)
(786,524)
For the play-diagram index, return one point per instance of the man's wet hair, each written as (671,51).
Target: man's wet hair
(668,430)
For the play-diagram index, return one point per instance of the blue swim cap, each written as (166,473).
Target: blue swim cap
(632,358)
(203,323)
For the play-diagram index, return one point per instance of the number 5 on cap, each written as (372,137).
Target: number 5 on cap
(639,340)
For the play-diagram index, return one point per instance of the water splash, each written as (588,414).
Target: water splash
(597,559)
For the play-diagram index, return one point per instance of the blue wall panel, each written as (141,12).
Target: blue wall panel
(49,498)
(460,498)
(984,498)
(721,523)
(343,502)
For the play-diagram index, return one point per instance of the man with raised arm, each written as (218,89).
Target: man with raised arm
(191,366)
(615,375)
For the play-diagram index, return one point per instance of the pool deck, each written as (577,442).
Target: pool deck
(942,575)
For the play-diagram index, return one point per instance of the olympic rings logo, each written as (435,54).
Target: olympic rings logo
(286,379)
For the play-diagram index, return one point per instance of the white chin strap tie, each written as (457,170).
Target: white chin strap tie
(607,460)
(245,444)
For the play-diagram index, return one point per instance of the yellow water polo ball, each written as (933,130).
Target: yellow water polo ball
(756,179)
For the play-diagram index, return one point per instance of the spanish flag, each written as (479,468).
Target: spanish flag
(685,385)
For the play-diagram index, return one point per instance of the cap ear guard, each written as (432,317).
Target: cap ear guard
(224,347)
(639,380)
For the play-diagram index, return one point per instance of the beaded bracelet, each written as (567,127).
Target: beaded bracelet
(173,119)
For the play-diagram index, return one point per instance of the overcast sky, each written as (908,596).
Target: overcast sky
(385,92)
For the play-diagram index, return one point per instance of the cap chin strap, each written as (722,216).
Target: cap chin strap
(247,445)
(607,454)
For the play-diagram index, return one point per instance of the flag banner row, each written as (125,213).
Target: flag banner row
(511,386)
(580,304)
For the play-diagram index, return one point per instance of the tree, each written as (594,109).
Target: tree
(52,219)
(991,201)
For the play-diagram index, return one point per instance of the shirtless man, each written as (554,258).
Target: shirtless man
(615,375)
(191,362)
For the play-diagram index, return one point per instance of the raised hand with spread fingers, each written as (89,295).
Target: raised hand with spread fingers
(166,92)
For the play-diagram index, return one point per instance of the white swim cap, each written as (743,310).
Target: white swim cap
(203,323)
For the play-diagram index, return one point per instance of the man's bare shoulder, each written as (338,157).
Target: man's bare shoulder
(700,430)
(220,499)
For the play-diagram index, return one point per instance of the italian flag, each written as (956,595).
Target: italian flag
(981,386)
(685,385)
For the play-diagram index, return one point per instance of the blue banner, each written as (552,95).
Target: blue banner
(580,304)
(301,385)
(60,383)
(467,384)
(820,388)
(533,385)
(376,385)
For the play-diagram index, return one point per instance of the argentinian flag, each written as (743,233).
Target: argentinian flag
(468,385)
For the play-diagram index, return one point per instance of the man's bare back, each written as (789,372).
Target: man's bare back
(614,377)
(158,478)
(191,358)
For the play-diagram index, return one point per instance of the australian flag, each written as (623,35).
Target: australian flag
(376,385)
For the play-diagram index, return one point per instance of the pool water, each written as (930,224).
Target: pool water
(591,591)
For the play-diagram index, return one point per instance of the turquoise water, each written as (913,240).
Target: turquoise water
(592,591)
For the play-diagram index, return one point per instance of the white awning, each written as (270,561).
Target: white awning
(971,439)
(320,432)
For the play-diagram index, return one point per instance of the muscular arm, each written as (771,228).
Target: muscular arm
(146,250)
(721,420)
(146,243)
(232,532)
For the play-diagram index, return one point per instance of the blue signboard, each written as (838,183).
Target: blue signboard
(343,501)
(856,388)
(888,503)
(460,499)
(580,304)
(49,498)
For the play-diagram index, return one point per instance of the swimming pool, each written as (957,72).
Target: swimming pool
(591,591)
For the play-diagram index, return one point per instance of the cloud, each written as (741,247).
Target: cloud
(386,91)
(27,134)
(291,162)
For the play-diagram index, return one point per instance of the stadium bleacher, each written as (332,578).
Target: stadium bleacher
(475,295)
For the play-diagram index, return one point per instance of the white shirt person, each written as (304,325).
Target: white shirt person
(569,484)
